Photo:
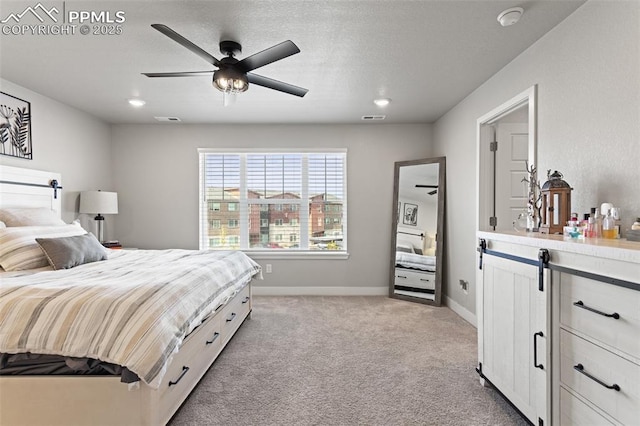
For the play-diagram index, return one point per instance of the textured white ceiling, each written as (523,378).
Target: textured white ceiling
(424,55)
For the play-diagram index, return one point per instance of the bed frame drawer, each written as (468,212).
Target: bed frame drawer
(417,279)
(234,313)
(197,353)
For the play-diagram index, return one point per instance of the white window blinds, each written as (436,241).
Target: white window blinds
(261,196)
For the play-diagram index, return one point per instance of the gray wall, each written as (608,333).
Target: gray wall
(588,74)
(67,141)
(156,174)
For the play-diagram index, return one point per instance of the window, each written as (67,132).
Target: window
(249,194)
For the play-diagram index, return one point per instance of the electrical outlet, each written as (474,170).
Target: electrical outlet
(464,285)
(268,267)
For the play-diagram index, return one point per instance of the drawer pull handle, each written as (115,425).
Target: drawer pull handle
(579,304)
(400,276)
(215,336)
(423,279)
(218,308)
(233,316)
(535,350)
(246,299)
(580,368)
(184,371)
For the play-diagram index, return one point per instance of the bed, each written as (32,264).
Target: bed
(415,267)
(154,319)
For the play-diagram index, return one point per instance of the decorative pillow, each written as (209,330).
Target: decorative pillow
(67,252)
(39,216)
(19,249)
(2,225)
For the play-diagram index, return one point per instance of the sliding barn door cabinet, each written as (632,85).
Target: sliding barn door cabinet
(559,327)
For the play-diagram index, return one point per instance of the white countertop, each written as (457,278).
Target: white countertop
(618,249)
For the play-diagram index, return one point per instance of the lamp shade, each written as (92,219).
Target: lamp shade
(99,202)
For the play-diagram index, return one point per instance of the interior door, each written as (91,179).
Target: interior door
(511,157)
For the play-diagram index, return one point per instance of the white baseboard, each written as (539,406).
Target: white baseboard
(458,309)
(319,291)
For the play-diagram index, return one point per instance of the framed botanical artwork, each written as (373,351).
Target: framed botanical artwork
(15,127)
(410,214)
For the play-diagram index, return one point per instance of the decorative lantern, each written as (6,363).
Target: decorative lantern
(556,204)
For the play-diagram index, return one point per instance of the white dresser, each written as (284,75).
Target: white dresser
(559,327)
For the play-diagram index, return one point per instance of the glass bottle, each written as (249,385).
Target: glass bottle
(609,226)
(597,224)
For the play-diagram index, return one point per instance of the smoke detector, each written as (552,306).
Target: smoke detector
(510,16)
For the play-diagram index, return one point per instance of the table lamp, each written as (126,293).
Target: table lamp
(99,203)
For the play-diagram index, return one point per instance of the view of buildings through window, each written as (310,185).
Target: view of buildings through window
(273,201)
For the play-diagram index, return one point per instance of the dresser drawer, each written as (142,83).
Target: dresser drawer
(580,359)
(417,279)
(579,297)
(575,412)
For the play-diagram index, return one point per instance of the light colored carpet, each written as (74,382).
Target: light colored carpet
(347,361)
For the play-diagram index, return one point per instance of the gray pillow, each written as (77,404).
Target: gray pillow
(67,252)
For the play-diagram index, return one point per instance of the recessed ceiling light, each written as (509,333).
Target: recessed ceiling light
(136,102)
(382,102)
(510,16)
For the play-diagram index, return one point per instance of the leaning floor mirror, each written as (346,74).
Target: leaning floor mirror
(417,234)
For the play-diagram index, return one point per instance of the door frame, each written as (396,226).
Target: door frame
(484,135)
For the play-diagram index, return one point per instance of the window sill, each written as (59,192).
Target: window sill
(300,255)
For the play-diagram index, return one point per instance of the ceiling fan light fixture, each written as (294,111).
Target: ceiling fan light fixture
(230,81)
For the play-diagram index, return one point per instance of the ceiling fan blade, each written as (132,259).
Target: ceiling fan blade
(178,74)
(276,85)
(186,43)
(267,56)
(426,186)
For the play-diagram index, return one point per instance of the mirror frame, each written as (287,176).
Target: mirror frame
(441,161)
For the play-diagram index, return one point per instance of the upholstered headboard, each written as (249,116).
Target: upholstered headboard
(20,187)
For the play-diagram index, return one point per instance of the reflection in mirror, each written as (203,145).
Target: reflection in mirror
(417,230)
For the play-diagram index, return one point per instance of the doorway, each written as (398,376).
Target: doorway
(506,148)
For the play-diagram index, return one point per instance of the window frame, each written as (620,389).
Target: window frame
(304,208)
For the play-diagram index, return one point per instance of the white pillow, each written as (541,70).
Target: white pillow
(19,249)
(2,225)
(38,216)
(406,248)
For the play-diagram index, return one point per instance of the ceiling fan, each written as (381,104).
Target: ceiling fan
(233,75)
(435,191)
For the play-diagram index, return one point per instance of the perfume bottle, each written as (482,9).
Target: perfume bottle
(609,226)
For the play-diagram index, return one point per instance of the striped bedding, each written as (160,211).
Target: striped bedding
(133,309)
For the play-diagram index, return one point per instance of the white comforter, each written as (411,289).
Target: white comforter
(132,310)
(416,261)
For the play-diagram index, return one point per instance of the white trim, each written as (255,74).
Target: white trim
(458,309)
(319,291)
(526,97)
(259,151)
(300,255)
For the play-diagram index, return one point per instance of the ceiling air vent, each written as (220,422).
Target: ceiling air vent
(373,117)
(167,118)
